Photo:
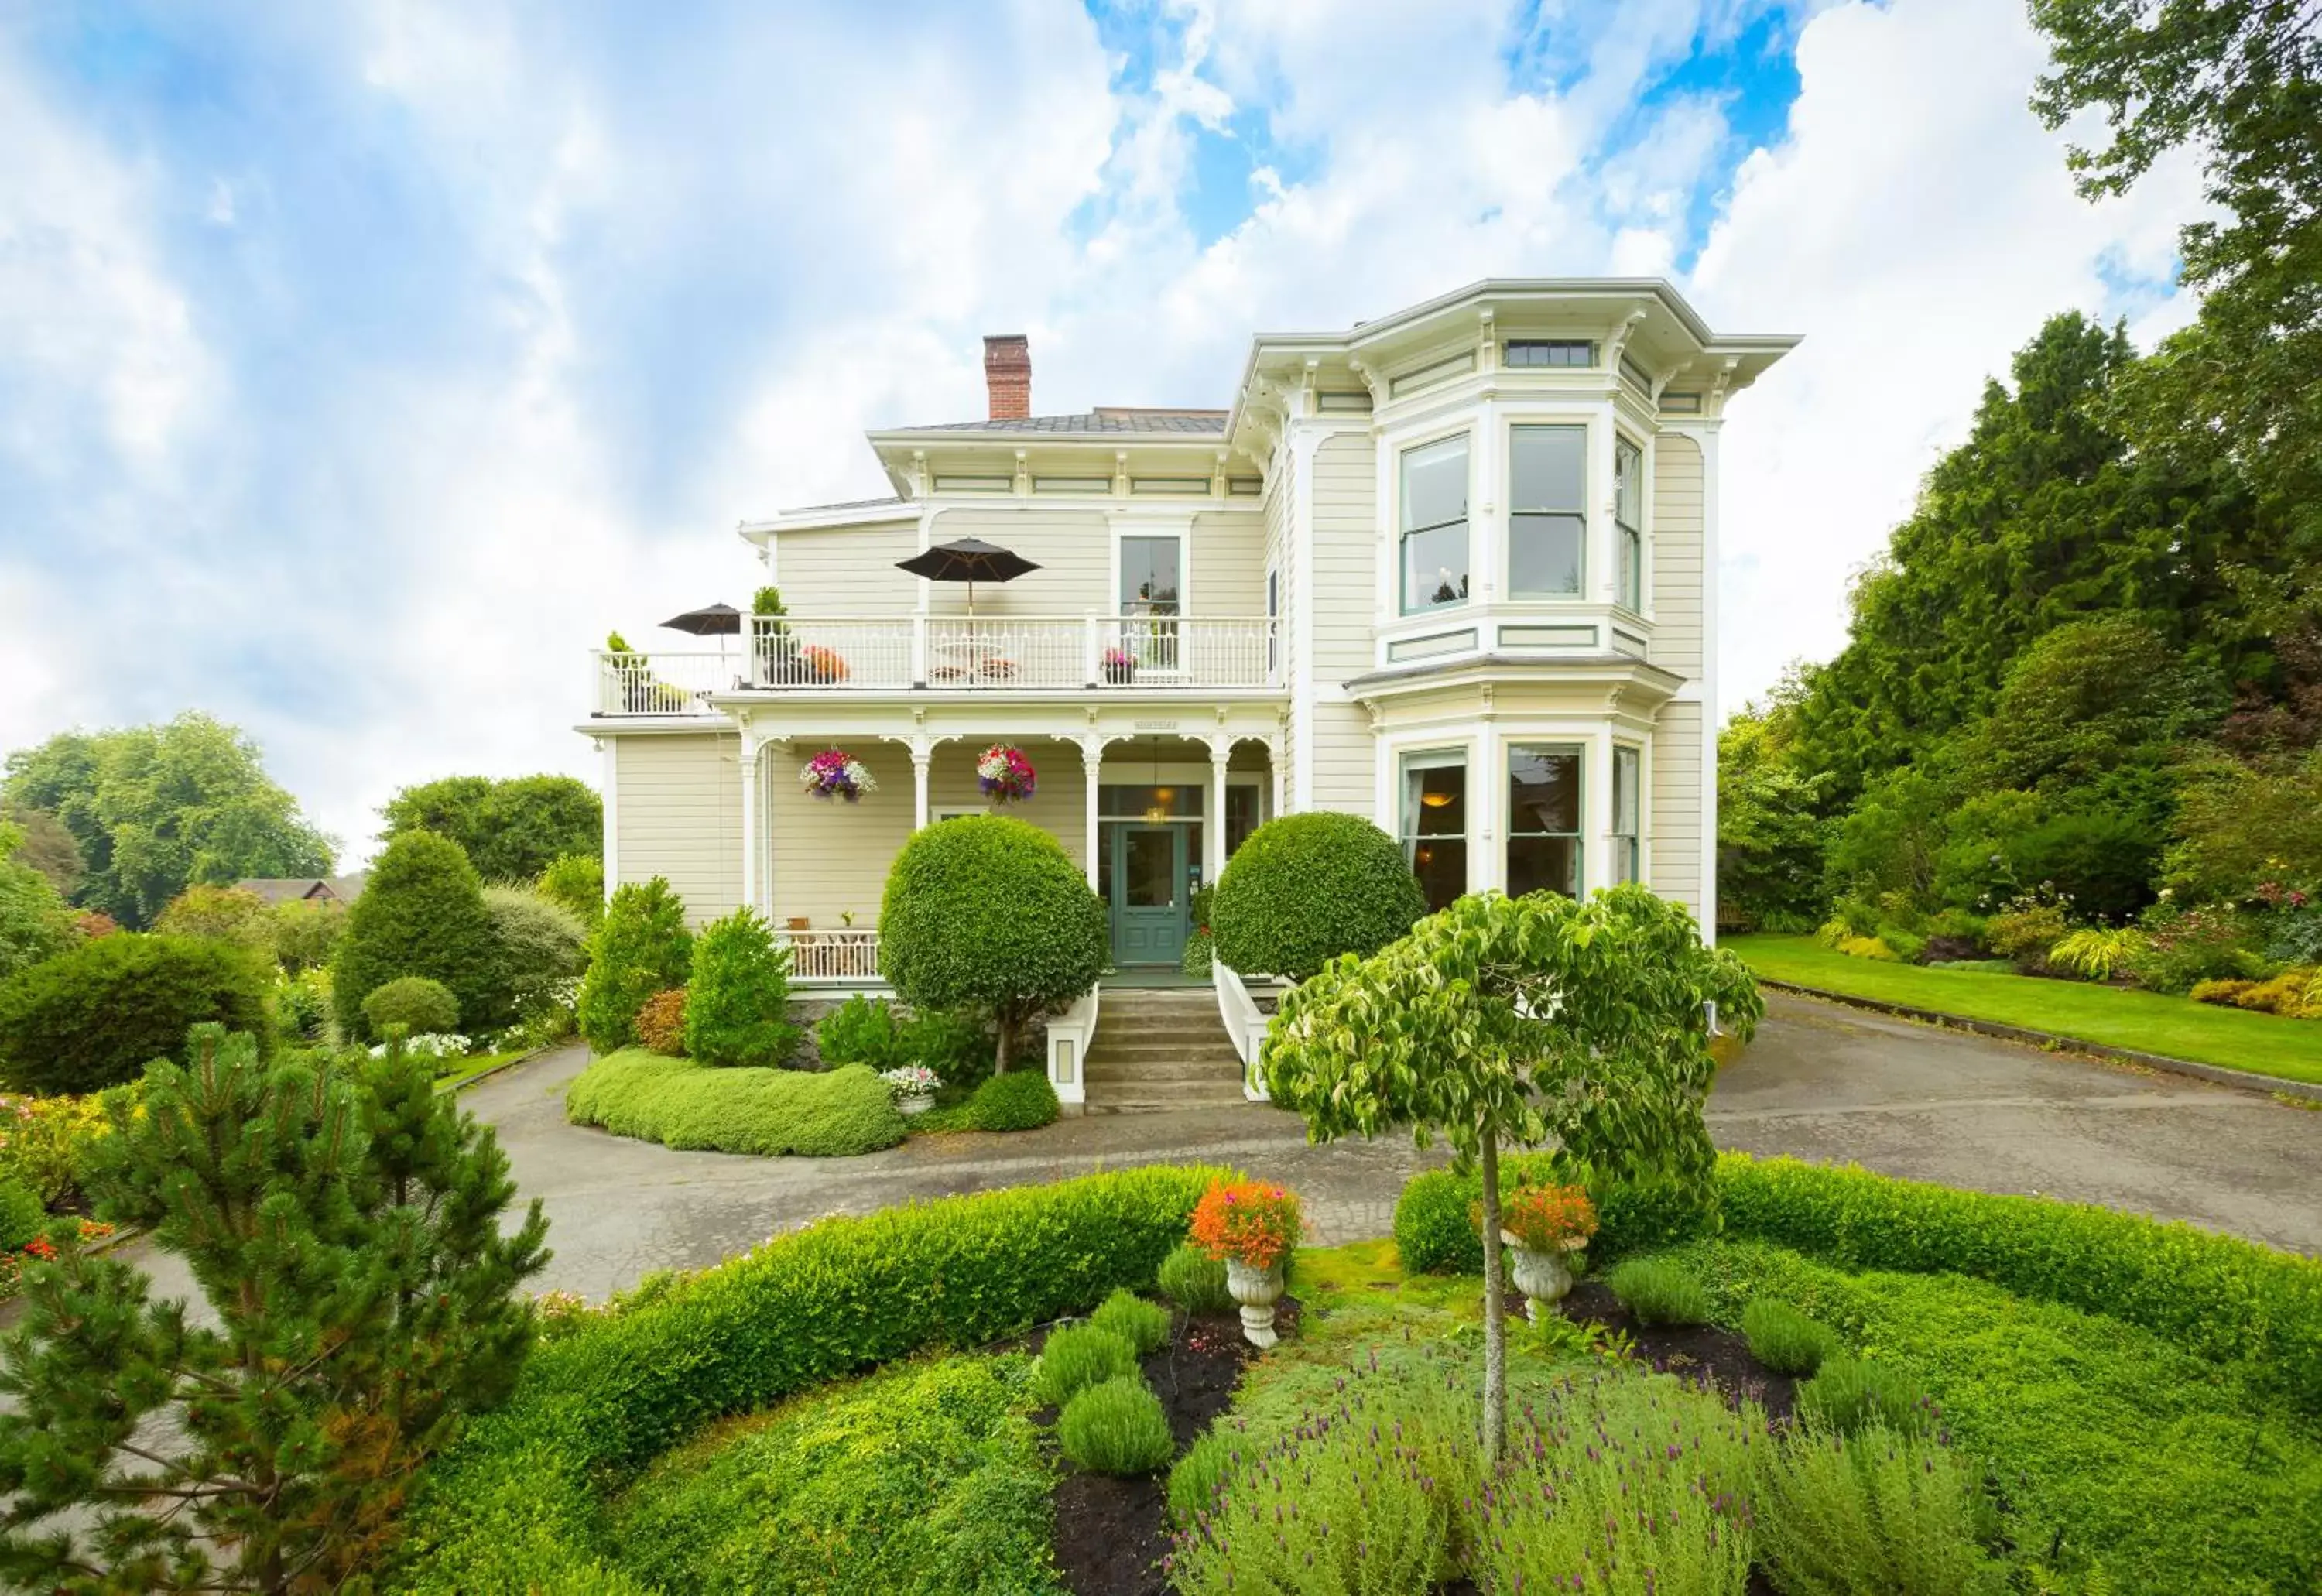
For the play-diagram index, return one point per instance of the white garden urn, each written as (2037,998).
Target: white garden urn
(1543,1277)
(918,1102)
(1257,1291)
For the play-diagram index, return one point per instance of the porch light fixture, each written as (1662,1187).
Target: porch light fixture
(1157,810)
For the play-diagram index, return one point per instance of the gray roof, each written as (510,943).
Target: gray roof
(1198,423)
(290,888)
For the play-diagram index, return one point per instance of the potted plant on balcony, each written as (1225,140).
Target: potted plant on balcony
(1544,1228)
(820,664)
(913,1088)
(834,773)
(1251,1226)
(1003,774)
(1120,666)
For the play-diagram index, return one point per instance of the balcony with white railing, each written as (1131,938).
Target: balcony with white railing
(951,653)
(848,957)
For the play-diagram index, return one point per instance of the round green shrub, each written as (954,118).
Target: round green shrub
(1116,1428)
(640,947)
(1849,1395)
(542,946)
(737,1005)
(1077,1356)
(1145,1326)
(1658,1293)
(1022,1100)
(21,1215)
(991,914)
(1304,889)
(97,1015)
(1195,1281)
(421,913)
(413,1001)
(1784,1339)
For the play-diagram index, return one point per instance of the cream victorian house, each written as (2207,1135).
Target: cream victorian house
(1451,570)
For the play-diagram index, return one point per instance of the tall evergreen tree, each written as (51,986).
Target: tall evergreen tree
(421,913)
(341,1219)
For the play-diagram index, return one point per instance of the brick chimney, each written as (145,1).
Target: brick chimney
(1008,375)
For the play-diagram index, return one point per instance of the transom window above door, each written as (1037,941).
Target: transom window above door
(1548,510)
(1151,575)
(1435,525)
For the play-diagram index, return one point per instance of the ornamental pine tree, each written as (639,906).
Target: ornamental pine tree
(341,1219)
(1510,1022)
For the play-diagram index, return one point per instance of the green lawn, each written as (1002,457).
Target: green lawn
(2174,1028)
(458,1072)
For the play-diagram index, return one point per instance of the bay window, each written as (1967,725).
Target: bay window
(1628,769)
(1435,525)
(1628,521)
(1544,819)
(1548,510)
(1434,823)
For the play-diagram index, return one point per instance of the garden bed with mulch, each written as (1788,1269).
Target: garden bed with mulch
(1112,1533)
(1697,1353)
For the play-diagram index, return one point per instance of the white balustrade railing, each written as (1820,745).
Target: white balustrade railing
(848,956)
(1244,1025)
(1142,654)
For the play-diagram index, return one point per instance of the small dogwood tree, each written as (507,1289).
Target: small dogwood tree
(1506,1022)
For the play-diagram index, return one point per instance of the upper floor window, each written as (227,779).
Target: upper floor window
(1629,520)
(1149,576)
(1435,525)
(1547,516)
(1552,352)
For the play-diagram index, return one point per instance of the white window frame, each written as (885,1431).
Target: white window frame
(1633,603)
(1628,862)
(1466,437)
(1580,589)
(1579,747)
(1439,756)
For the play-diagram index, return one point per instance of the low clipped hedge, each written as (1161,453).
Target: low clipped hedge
(685,1104)
(1434,1233)
(2219,1296)
(518,1504)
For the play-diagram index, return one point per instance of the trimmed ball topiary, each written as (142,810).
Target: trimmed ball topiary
(640,947)
(1660,1293)
(1304,889)
(738,1004)
(1076,1356)
(1143,1325)
(1116,1428)
(1784,1339)
(421,913)
(97,1015)
(1194,1280)
(989,914)
(413,1002)
(1022,1100)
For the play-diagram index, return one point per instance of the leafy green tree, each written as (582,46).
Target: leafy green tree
(512,829)
(36,923)
(2240,81)
(47,846)
(421,913)
(541,944)
(156,809)
(2085,699)
(641,947)
(577,880)
(990,914)
(2240,825)
(341,1218)
(306,933)
(1769,830)
(737,1003)
(224,914)
(1503,1022)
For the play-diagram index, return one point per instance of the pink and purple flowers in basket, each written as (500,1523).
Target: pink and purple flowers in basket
(834,773)
(1004,774)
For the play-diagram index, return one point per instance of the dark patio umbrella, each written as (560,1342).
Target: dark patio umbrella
(968,560)
(711,620)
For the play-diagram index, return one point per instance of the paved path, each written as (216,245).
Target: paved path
(1837,1084)
(1820,1082)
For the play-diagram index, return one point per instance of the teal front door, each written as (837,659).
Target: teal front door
(1148,894)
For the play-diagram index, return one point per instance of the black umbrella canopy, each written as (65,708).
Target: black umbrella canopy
(967,560)
(711,620)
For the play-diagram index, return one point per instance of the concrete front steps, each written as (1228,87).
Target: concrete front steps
(1160,1049)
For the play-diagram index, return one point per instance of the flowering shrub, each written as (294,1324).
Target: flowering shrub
(1120,665)
(433,1044)
(1545,1218)
(11,1264)
(836,773)
(910,1081)
(1004,774)
(1253,1222)
(45,1143)
(2183,947)
(820,663)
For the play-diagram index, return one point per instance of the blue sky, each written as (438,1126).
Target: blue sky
(360,365)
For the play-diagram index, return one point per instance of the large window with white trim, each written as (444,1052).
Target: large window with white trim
(1629,520)
(1548,510)
(1434,823)
(1435,525)
(1628,805)
(1544,819)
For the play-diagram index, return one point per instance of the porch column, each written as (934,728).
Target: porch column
(751,749)
(920,759)
(1274,762)
(1213,825)
(1091,762)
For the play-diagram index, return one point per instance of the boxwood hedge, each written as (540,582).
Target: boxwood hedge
(517,1503)
(684,1103)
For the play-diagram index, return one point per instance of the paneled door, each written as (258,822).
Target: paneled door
(1149,894)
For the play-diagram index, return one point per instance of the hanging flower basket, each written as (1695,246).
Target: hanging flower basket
(1004,774)
(834,773)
